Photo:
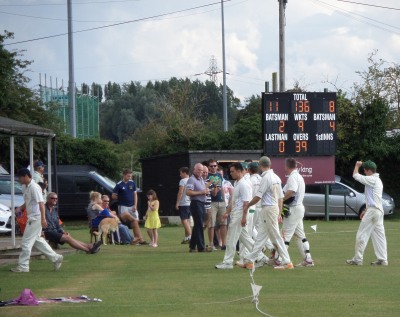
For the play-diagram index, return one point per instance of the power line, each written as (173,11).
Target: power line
(63,4)
(120,23)
(355,15)
(103,21)
(369,5)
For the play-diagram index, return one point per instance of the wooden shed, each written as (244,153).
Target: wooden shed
(161,172)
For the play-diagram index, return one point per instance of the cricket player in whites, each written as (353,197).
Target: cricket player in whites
(238,221)
(293,224)
(372,217)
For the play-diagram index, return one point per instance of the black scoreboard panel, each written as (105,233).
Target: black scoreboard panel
(299,124)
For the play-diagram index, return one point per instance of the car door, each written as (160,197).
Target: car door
(342,200)
(314,201)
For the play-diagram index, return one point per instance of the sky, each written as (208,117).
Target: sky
(327,41)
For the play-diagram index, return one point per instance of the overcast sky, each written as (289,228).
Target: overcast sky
(325,39)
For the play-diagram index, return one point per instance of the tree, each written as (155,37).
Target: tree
(380,81)
(178,127)
(19,102)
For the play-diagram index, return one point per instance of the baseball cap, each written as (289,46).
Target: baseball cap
(244,165)
(369,165)
(253,165)
(23,172)
(39,164)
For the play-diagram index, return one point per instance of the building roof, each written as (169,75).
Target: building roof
(18,128)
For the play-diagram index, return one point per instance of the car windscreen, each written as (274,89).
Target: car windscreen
(109,182)
(5,187)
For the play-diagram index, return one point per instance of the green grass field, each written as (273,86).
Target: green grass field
(169,281)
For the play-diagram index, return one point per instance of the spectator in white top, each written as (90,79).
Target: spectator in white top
(183,204)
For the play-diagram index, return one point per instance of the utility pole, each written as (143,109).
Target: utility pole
(71,82)
(224,100)
(282,22)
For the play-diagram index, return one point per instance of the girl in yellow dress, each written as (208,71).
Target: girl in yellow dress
(152,219)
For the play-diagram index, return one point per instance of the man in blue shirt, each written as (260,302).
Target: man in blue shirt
(125,192)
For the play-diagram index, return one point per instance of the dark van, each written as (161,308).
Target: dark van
(75,182)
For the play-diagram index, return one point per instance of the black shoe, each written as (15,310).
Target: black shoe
(96,247)
(223,248)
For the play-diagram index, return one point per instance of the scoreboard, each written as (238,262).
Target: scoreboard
(299,124)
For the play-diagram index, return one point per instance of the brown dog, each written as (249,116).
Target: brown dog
(108,225)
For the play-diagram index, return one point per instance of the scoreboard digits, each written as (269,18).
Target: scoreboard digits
(299,124)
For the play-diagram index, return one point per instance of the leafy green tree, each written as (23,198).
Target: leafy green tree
(99,153)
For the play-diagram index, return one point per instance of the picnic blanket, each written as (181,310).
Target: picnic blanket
(27,298)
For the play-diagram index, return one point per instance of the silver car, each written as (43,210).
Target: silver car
(344,200)
(5,192)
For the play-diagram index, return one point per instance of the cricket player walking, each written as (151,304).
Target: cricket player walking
(238,217)
(293,223)
(372,217)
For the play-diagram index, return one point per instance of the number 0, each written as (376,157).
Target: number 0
(281,147)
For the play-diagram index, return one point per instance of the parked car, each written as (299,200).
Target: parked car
(5,219)
(343,200)
(75,182)
(5,191)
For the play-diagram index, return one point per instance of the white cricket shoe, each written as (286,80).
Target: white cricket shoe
(224,266)
(58,262)
(352,262)
(306,263)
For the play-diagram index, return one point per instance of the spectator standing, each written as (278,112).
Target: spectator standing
(125,192)
(207,205)
(218,205)
(55,233)
(372,217)
(183,204)
(34,205)
(38,176)
(152,218)
(196,189)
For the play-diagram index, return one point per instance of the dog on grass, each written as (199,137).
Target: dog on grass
(106,226)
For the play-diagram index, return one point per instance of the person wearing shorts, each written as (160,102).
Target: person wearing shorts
(218,205)
(55,233)
(125,192)
(183,204)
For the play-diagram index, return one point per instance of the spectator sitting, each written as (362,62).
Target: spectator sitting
(124,232)
(55,233)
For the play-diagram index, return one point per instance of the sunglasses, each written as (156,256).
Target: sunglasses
(54,198)
(213,165)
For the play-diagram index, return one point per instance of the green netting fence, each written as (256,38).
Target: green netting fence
(86,111)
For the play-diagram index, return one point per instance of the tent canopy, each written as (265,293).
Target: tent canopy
(18,128)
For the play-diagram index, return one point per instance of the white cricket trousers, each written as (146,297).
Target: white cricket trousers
(269,227)
(257,220)
(32,238)
(236,232)
(293,226)
(371,226)
(243,251)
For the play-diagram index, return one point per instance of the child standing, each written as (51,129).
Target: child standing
(152,219)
